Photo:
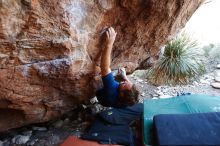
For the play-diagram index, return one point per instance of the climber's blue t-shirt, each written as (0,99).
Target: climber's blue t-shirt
(108,95)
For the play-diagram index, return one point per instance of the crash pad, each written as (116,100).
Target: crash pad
(193,103)
(187,129)
(123,116)
(74,141)
(106,133)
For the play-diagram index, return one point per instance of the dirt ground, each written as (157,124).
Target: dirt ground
(200,86)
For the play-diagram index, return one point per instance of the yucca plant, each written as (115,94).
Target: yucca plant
(179,64)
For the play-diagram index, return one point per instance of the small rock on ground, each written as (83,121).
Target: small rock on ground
(1,143)
(216,85)
(165,96)
(39,128)
(20,139)
(217,79)
(217,73)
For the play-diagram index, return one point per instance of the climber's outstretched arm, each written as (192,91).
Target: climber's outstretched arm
(110,35)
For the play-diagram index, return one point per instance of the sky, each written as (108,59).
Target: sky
(204,25)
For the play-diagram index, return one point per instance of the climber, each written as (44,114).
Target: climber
(113,93)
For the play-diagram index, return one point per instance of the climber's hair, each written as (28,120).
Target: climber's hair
(130,97)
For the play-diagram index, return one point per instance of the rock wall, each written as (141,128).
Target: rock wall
(48,49)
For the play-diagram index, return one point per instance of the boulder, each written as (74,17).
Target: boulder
(49,48)
(217,79)
(216,85)
(217,73)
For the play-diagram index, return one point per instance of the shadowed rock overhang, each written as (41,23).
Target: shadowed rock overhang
(48,49)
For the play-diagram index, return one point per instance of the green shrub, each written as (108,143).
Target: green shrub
(179,64)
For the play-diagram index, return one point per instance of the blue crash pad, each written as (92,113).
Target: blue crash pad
(188,129)
(176,105)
